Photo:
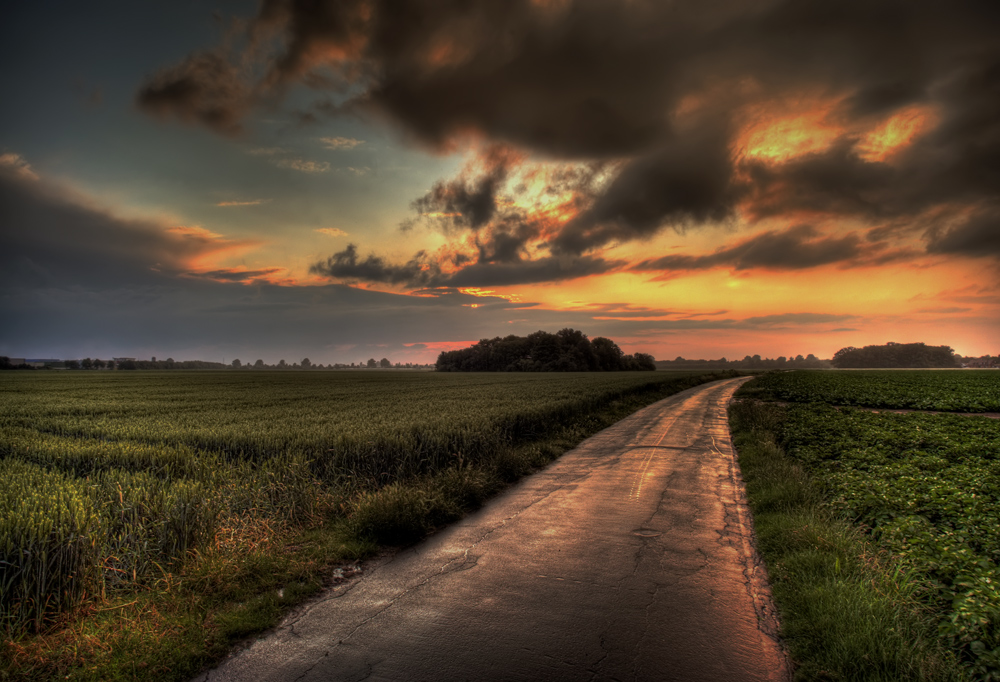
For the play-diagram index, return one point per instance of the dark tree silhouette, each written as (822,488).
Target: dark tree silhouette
(568,350)
(895,355)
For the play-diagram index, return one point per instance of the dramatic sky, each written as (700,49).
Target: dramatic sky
(346,179)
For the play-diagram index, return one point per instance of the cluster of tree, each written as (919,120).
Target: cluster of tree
(372,363)
(5,363)
(983,361)
(565,351)
(896,355)
(749,362)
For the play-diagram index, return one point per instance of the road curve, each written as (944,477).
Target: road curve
(629,558)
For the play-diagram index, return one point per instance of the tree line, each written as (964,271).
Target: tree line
(568,350)
(748,362)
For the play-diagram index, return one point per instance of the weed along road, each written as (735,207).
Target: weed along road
(629,558)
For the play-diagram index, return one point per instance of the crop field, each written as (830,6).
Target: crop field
(925,488)
(945,390)
(112,481)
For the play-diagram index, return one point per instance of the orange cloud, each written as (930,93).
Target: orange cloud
(778,137)
(476,291)
(243,275)
(253,202)
(331,231)
(207,249)
(896,133)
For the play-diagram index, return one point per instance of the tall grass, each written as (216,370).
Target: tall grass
(50,541)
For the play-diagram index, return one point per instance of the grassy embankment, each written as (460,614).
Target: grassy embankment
(152,520)
(881,559)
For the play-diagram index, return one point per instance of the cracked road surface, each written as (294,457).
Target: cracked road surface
(629,558)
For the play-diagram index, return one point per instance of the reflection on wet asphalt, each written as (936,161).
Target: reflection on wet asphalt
(629,558)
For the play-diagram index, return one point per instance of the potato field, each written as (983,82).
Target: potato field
(925,487)
(111,479)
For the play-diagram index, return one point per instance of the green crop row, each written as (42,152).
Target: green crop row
(944,390)
(108,479)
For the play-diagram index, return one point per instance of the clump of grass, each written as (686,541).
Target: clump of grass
(846,612)
(49,539)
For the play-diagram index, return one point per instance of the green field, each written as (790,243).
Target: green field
(187,493)
(923,489)
(967,390)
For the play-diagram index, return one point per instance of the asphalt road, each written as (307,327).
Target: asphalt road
(629,558)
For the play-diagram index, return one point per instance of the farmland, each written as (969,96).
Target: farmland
(923,491)
(948,391)
(186,493)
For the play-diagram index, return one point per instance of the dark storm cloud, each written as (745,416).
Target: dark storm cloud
(469,200)
(346,265)
(596,79)
(422,271)
(52,238)
(978,236)
(205,88)
(793,249)
(685,181)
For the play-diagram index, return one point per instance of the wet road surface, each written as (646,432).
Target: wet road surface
(629,558)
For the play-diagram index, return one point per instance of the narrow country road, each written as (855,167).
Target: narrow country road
(629,558)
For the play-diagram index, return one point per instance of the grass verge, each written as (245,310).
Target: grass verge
(846,612)
(171,626)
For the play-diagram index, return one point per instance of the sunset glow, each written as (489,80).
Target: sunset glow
(324,178)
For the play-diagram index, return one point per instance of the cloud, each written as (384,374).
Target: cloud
(422,271)
(266,151)
(205,88)
(337,143)
(745,112)
(331,231)
(55,238)
(470,199)
(796,319)
(303,165)
(978,236)
(251,202)
(16,164)
(796,248)
(241,275)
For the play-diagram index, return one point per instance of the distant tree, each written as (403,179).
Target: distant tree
(565,351)
(237,364)
(154,359)
(87,363)
(72,364)
(384,363)
(282,364)
(371,363)
(99,364)
(896,355)
(259,364)
(305,363)
(128,364)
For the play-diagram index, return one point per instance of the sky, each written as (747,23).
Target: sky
(359,178)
